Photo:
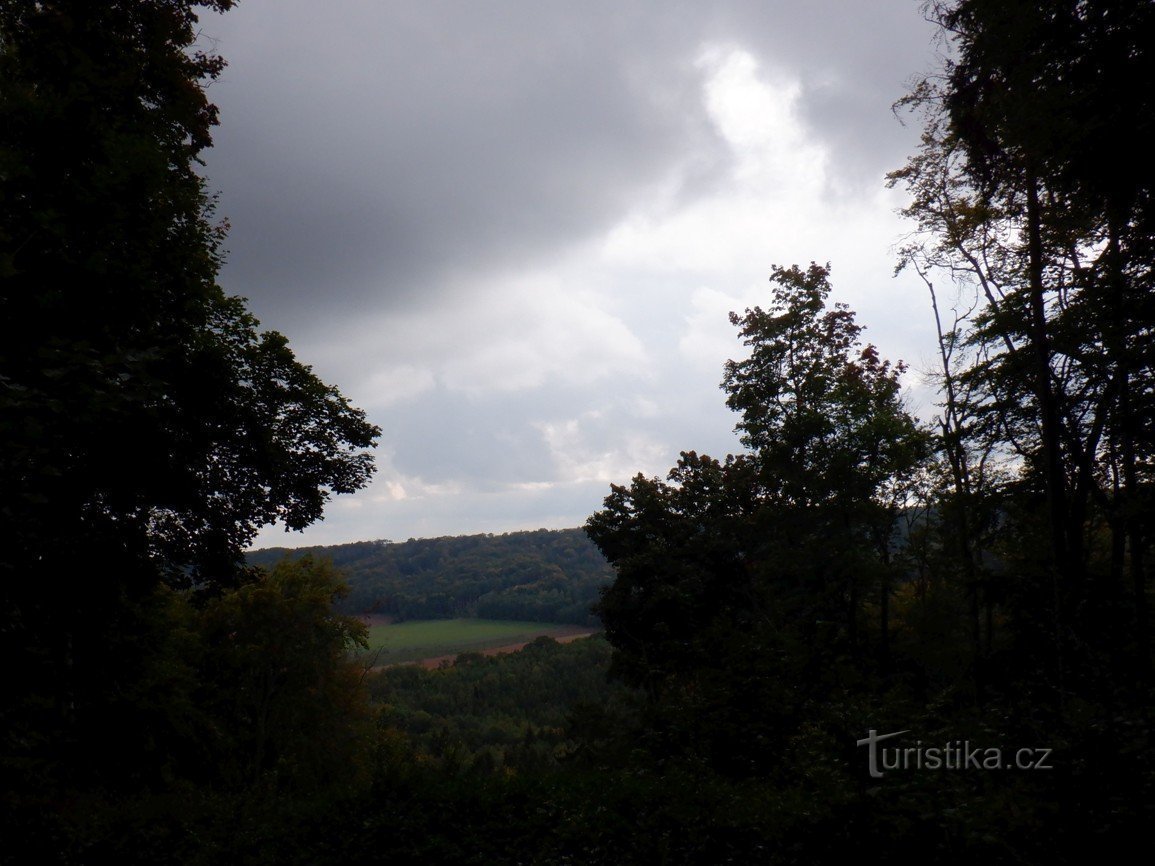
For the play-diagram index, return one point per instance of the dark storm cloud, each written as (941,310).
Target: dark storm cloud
(366,151)
(371,151)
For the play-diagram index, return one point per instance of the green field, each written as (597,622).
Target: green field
(424,639)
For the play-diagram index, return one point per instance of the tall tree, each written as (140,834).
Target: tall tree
(744,586)
(148,429)
(824,416)
(1031,189)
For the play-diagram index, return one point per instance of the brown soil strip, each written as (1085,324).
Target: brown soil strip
(372,619)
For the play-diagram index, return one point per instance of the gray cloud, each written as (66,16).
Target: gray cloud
(373,153)
(420,195)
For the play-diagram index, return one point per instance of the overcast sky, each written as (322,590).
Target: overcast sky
(513,231)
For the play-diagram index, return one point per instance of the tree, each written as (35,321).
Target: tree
(825,418)
(148,429)
(1030,191)
(682,572)
(140,402)
(283,693)
(743,585)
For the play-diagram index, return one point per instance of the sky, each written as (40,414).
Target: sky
(512,232)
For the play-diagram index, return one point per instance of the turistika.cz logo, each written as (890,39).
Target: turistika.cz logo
(956,755)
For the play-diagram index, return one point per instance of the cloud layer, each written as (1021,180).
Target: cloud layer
(513,232)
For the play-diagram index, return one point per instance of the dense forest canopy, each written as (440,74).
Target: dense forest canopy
(542,576)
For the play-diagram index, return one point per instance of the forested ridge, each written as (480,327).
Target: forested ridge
(543,575)
(863,634)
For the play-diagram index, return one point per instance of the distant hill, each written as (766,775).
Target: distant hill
(545,575)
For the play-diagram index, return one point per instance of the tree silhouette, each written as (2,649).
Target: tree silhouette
(148,429)
(1032,198)
(747,586)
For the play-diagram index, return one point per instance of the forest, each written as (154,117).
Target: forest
(864,634)
(544,576)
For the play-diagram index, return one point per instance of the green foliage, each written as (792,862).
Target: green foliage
(1055,87)
(541,576)
(680,565)
(494,715)
(247,709)
(772,606)
(282,691)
